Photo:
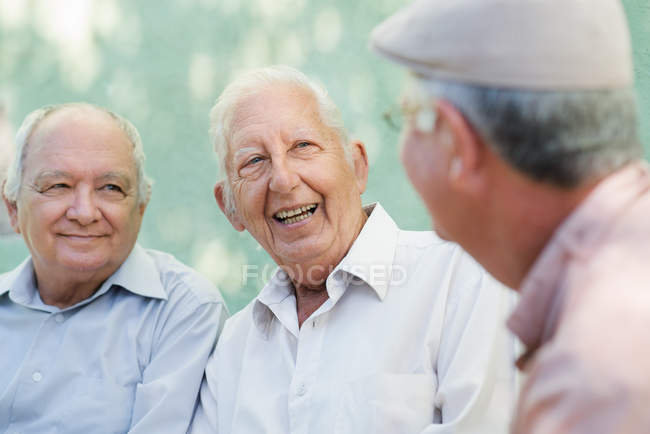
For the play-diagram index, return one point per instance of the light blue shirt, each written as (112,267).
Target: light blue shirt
(128,359)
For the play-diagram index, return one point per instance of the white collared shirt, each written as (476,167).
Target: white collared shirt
(129,358)
(410,340)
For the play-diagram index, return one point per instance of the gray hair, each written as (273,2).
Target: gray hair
(250,83)
(563,137)
(33,119)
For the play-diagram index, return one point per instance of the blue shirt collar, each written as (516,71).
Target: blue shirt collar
(137,274)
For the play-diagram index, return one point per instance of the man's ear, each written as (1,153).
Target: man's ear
(221,200)
(465,149)
(12,210)
(360,162)
(143,206)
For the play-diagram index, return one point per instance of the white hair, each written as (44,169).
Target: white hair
(32,120)
(563,137)
(251,82)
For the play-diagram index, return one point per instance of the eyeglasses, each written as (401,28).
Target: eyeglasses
(418,106)
(424,115)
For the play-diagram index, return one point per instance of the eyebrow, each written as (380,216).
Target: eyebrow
(245,150)
(304,132)
(109,176)
(51,174)
(119,176)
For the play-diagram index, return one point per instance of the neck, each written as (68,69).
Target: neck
(64,291)
(308,300)
(309,277)
(523,216)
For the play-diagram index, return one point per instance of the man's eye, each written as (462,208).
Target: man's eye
(112,187)
(58,186)
(253,160)
(303,144)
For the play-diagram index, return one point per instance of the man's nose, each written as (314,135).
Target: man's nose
(84,208)
(284,178)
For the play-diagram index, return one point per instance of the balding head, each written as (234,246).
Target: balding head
(31,123)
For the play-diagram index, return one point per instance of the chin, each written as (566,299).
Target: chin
(85,264)
(442,234)
(304,249)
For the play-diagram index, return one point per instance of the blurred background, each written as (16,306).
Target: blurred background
(162,65)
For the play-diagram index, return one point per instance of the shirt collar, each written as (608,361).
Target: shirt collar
(271,299)
(137,274)
(369,259)
(19,282)
(371,256)
(535,318)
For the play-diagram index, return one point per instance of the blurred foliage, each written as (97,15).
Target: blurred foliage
(162,64)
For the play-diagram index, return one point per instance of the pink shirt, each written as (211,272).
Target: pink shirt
(584,316)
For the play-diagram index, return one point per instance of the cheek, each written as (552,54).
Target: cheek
(40,215)
(249,199)
(417,159)
(121,218)
(424,169)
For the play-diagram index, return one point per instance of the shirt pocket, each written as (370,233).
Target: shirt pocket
(387,403)
(98,405)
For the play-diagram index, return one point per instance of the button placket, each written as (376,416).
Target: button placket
(37,362)
(306,370)
(301,389)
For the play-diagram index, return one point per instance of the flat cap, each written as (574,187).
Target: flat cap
(526,44)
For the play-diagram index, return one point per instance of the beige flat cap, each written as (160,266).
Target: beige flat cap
(527,44)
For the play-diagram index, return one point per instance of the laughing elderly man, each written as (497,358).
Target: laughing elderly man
(364,328)
(535,167)
(98,334)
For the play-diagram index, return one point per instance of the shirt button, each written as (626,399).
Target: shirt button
(301,390)
(59,318)
(37,376)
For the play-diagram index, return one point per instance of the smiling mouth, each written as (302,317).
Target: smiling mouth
(295,215)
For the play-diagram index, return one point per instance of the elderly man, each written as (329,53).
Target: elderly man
(98,334)
(363,328)
(523,143)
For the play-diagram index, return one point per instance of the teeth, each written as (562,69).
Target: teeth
(294,212)
(297,219)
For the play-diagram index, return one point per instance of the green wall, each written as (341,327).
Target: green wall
(162,64)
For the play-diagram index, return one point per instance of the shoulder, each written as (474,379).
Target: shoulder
(428,251)
(421,245)
(238,326)
(603,332)
(4,281)
(232,344)
(18,273)
(596,363)
(180,281)
(5,276)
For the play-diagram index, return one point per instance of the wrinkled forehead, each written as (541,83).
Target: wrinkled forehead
(289,109)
